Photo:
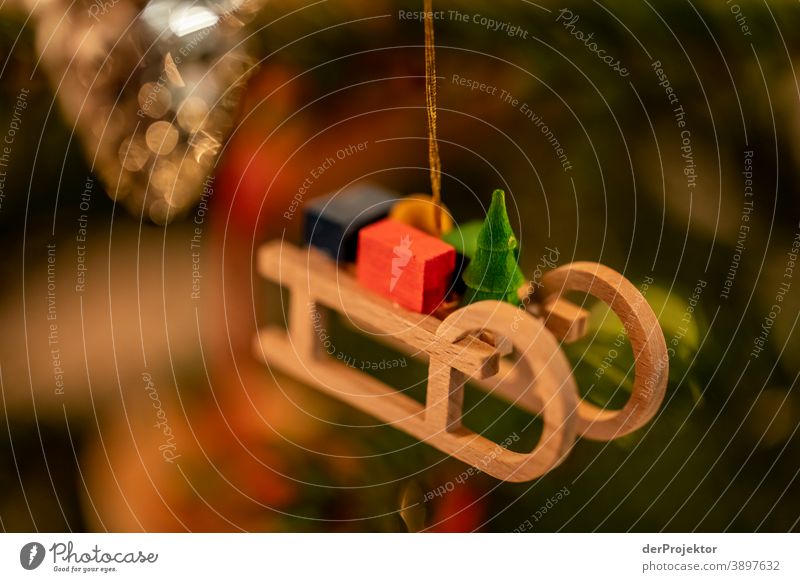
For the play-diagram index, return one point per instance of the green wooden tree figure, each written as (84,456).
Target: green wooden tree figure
(493,273)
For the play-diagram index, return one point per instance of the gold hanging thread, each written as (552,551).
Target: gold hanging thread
(430,100)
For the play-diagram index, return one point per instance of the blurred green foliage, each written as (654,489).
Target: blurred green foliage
(723,452)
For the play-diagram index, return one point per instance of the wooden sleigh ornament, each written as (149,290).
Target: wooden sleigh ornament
(510,351)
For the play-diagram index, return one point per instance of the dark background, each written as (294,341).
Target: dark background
(265,453)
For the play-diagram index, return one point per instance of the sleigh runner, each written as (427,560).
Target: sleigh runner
(503,349)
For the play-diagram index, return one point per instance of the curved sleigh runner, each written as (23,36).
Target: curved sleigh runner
(503,349)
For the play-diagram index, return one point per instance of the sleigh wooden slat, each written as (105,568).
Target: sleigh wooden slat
(505,350)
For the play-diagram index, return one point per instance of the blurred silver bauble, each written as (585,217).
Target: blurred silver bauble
(151,87)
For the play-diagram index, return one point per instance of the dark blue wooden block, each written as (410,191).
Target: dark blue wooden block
(331,223)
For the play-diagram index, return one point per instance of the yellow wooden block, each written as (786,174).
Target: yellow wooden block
(417,210)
